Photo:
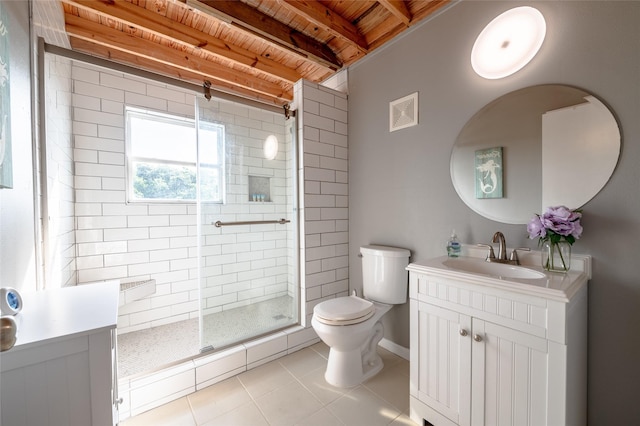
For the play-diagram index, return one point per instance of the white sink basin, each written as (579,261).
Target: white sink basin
(502,270)
(529,279)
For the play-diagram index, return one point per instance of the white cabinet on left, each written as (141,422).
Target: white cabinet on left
(62,369)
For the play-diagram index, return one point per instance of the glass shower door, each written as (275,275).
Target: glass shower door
(247,227)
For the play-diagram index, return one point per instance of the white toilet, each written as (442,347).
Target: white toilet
(351,325)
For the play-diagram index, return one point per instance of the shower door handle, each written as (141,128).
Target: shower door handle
(282,221)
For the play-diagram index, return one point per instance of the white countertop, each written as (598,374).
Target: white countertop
(66,312)
(556,286)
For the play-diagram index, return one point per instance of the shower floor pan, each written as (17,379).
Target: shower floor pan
(147,350)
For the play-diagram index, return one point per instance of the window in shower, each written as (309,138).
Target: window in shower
(162,152)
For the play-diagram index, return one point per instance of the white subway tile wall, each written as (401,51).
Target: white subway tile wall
(322,125)
(60,248)
(53,32)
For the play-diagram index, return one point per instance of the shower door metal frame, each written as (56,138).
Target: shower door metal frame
(293,190)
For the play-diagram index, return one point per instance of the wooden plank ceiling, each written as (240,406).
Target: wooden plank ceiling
(252,48)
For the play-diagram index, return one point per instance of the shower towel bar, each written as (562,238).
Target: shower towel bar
(282,221)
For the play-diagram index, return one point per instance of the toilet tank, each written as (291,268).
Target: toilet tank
(384,277)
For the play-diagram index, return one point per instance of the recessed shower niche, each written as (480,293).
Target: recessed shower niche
(259,188)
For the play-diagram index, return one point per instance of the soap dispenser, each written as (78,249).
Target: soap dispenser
(453,245)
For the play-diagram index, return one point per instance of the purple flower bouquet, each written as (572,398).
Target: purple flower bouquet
(556,227)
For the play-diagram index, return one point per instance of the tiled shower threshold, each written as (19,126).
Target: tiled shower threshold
(151,388)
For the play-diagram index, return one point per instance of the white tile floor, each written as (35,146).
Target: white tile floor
(292,391)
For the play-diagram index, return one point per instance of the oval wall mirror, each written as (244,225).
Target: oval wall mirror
(536,147)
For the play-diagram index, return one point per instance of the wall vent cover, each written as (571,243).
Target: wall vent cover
(403,112)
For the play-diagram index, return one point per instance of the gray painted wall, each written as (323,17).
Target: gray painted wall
(401,192)
(17,238)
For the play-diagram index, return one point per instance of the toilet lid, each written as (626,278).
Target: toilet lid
(344,310)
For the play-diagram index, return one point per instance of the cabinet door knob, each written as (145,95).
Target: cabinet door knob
(477,338)
(463,332)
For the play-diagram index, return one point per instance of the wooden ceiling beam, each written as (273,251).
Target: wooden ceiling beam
(399,9)
(387,30)
(138,61)
(255,23)
(330,21)
(432,7)
(139,17)
(168,57)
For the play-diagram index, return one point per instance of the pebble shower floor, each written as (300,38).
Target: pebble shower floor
(147,350)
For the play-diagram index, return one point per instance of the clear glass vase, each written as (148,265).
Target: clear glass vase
(556,257)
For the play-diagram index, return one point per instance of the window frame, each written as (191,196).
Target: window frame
(130,159)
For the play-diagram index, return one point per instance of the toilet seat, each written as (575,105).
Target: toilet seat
(346,310)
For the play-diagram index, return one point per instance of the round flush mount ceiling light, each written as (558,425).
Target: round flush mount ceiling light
(508,42)
(270,147)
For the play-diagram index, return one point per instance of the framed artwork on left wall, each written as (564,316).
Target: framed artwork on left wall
(6,169)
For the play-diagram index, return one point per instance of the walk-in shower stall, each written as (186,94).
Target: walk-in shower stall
(211,264)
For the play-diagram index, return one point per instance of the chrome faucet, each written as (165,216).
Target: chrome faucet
(498,237)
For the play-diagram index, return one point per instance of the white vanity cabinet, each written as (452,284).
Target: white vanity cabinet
(62,369)
(486,351)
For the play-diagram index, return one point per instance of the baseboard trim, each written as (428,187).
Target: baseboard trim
(401,351)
